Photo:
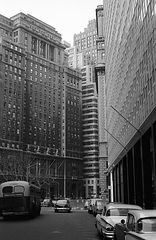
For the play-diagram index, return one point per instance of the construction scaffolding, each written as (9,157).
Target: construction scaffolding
(47,171)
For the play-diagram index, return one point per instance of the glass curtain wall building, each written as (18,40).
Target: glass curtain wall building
(130,44)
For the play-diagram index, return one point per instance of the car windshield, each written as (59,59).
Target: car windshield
(117,212)
(147,225)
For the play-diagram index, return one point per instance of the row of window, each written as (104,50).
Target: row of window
(92,181)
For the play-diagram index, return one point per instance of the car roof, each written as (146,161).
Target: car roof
(122,205)
(144,213)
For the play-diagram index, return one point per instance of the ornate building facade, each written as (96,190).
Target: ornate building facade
(38,93)
(101,87)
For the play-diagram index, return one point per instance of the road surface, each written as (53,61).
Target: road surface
(77,225)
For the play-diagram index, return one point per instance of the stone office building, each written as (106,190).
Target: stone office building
(40,107)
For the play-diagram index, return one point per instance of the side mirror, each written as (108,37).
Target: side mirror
(123,221)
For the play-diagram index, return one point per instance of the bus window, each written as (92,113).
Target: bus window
(18,189)
(8,189)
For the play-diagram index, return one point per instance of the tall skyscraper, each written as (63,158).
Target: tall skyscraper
(40,107)
(101,86)
(83,55)
(129,30)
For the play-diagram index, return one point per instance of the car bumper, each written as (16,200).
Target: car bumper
(14,213)
(108,235)
(62,209)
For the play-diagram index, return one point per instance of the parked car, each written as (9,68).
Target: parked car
(46,202)
(112,214)
(53,201)
(91,204)
(62,205)
(140,224)
(98,206)
(86,204)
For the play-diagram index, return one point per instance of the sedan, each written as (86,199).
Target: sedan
(112,214)
(140,224)
(46,202)
(62,205)
(98,207)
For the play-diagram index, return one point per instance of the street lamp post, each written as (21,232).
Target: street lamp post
(58,190)
(64,176)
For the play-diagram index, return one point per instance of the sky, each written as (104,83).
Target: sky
(66,16)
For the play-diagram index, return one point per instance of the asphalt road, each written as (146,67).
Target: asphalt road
(77,225)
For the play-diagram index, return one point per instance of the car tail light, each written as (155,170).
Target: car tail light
(139,226)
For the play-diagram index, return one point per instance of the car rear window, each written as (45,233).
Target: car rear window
(148,224)
(62,202)
(117,212)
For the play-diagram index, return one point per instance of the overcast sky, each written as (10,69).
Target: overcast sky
(66,16)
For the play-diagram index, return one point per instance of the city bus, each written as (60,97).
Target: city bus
(19,198)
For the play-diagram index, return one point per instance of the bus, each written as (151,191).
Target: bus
(19,198)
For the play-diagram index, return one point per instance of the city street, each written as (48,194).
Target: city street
(77,225)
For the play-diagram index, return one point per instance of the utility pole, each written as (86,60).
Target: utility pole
(64,178)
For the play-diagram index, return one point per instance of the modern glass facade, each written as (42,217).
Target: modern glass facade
(130,37)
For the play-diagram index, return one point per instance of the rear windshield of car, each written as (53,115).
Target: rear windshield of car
(62,202)
(117,212)
(100,203)
(147,225)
